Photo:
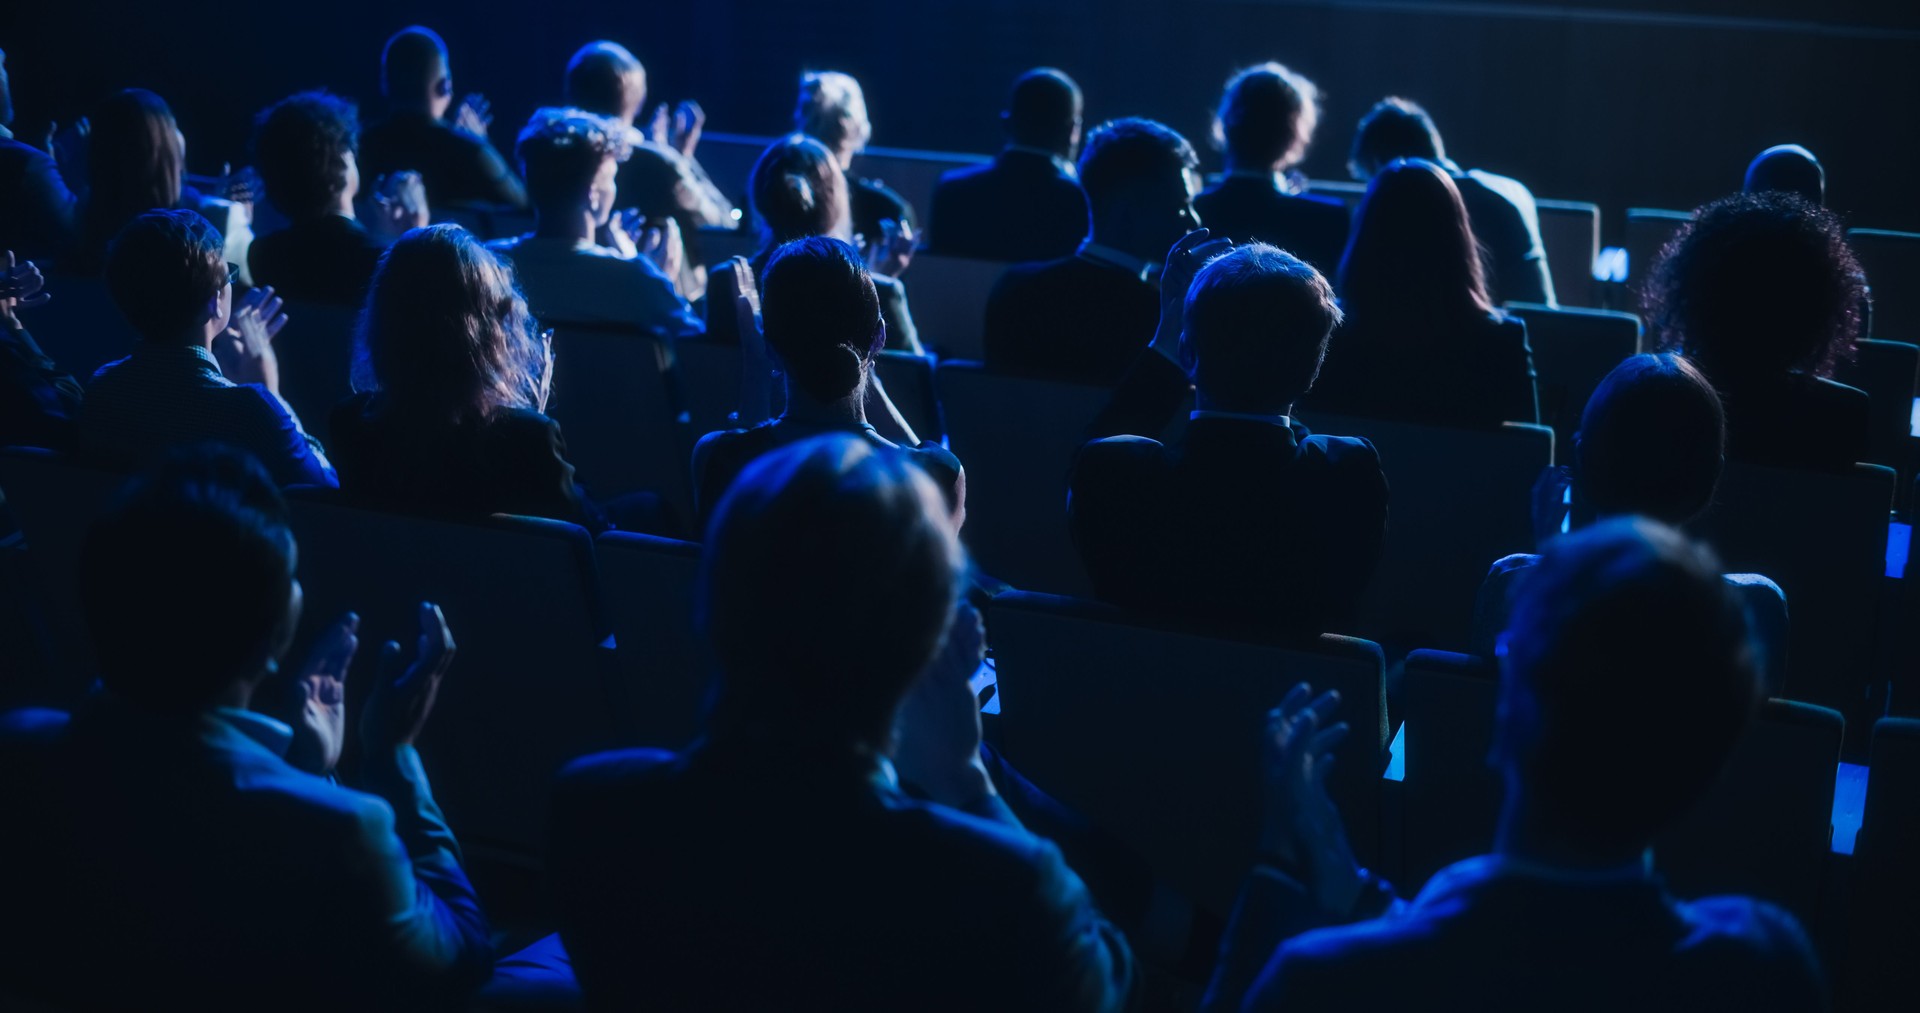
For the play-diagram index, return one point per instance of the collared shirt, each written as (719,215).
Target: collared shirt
(1067,169)
(1283,421)
(273,734)
(580,282)
(1119,260)
(1286,182)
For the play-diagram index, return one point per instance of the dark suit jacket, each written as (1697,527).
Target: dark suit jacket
(327,259)
(1309,226)
(1792,420)
(1475,376)
(871,202)
(37,211)
(457,168)
(1069,319)
(1507,224)
(1018,207)
(754,877)
(1243,525)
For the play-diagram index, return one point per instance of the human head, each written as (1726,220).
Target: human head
(605,79)
(203,533)
(833,110)
(446,333)
(1757,283)
(1043,111)
(1393,128)
(798,190)
(821,315)
(865,533)
(1140,177)
(304,147)
(1651,441)
(1627,674)
(569,158)
(1266,117)
(1788,167)
(136,158)
(167,271)
(1257,321)
(415,72)
(1412,255)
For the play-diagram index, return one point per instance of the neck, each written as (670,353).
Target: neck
(1241,165)
(803,407)
(1525,837)
(344,208)
(573,224)
(844,158)
(1201,402)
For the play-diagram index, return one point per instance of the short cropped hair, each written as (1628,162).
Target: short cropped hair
(1124,154)
(162,269)
(1257,323)
(598,76)
(1651,441)
(203,533)
(1393,128)
(1042,107)
(301,145)
(833,109)
(822,315)
(1788,167)
(1629,673)
(411,60)
(561,150)
(1267,114)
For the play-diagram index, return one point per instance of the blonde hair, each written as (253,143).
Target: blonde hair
(833,109)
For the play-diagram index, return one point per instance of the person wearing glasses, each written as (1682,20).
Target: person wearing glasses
(203,369)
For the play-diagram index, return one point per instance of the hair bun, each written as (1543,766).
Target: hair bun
(800,190)
(829,373)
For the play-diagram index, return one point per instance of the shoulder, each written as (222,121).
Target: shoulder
(1020,278)
(1111,454)
(1319,205)
(1755,938)
(603,771)
(505,246)
(1345,450)
(1833,392)
(1508,567)
(1322,966)
(965,176)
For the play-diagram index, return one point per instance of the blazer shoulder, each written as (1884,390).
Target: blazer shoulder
(620,766)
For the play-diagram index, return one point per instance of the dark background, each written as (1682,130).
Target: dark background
(1629,103)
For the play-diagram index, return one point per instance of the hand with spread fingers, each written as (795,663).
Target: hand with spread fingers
(20,288)
(403,696)
(1301,829)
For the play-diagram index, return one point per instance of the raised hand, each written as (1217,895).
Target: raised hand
(1301,829)
(1183,262)
(659,127)
(403,698)
(938,729)
(688,120)
(239,187)
(474,116)
(400,204)
(624,229)
(663,245)
(20,288)
(69,146)
(893,251)
(246,353)
(313,698)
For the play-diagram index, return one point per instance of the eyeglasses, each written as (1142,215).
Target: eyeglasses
(233,274)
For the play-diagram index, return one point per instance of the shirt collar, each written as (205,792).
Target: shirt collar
(1283,421)
(275,736)
(173,350)
(1119,260)
(1067,169)
(1291,181)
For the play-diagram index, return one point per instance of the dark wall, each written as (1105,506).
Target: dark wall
(1619,110)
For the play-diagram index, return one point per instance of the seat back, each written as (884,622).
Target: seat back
(1452,794)
(54,501)
(1345,191)
(718,246)
(1886,370)
(617,411)
(1570,233)
(1647,233)
(1573,350)
(80,328)
(908,379)
(948,297)
(315,350)
(1155,735)
(647,585)
(1457,499)
(913,173)
(1886,882)
(526,691)
(1891,261)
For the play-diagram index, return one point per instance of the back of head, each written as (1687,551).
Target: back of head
(1130,158)
(833,110)
(797,189)
(1393,128)
(1266,117)
(412,64)
(135,161)
(446,333)
(605,79)
(1628,674)
(1413,257)
(1651,441)
(202,534)
(302,146)
(1043,110)
(1758,283)
(829,579)
(822,315)
(163,269)
(562,150)
(1788,167)
(1257,322)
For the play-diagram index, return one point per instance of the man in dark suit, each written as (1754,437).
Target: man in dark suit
(1248,522)
(1084,318)
(305,149)
(1027,204)
(778,864)
(1265,123)
(1627,676)
(456,161)
(36,208)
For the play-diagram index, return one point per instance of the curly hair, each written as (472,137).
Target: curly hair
(1758,282)
(301,145)
(561,149)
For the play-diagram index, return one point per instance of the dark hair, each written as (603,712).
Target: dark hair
(1257,322)
(203,533)
(867,535)
(1413,257)
(163,268)
(1393,128)
(597,78)
(411,60)
(561,150)
(1625,630)
(797,189)
(1651,441)
(135,162)
(301,145)
(446,333)
(1042,108)
(1267,115)
(1757,283)
(822,315)
(1125,154)
(1788,167)
(833,109)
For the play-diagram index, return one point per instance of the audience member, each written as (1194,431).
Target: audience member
(833,111)
(38,402)
(1505,218)
(1650,443)
(455,160)
(166,273)
(823,322)
(185,844)
(569,158)
(136,162)
(1027,203)
(1422,341)
(1762,292)
(1264,125)
(453,383)
(1788,167)
(1248,523)
(1085,318)
(1626,630)
(37,211)
(828,702)
(304,149)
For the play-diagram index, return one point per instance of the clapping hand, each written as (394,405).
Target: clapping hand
(20,288)
(890,254)
(474,116)
(661,243)
(313,699)
(1301,829)
(68,145)
(402,698)
(241,187)
(400,204)
(688,120)
(246,353)
(1184,261)
(938,729)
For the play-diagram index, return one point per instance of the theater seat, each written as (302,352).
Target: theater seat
(1570,232)
(1647,233)
(1886,370)
(1155,735)
(1573,350)
(80,328)
(1452,795)
(618,414)
(908,379)
(1891,261)
(647,585)
(948,296)
(1881,971)
(53,501)
(315,350)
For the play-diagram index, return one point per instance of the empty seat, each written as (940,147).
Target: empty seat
(1573,350)
(1452,794)
(53,501)
(1882,973)
(1886,370)
(315,350)
(1648,231)
(728,160)
(1891,261)
(1570,232)
(1155,735)
(80,328)
(647,586)
(616,409)
(948,297)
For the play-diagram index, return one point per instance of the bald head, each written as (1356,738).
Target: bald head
(414,72)
(1788,167)
(605,79)
(1043,111)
